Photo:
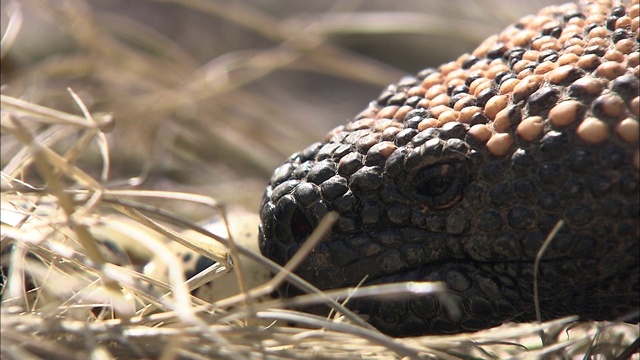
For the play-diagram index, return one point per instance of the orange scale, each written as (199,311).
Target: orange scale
(435,90)
(387,112)
(592,131)
(499,144)
(530,128)
(567,58)
(628,130)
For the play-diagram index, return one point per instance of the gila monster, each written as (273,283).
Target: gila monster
(458,174)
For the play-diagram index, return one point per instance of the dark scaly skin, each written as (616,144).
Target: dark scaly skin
(439,203)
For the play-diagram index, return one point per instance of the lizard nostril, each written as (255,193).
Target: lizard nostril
(292,222)
(300,226)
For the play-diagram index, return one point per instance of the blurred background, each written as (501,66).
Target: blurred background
(212,95)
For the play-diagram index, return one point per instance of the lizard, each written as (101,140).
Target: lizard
(459,173)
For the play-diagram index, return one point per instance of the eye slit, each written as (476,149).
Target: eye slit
(440,186)
(435,187)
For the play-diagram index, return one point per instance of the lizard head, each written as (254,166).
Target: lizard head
(391,197)
(460,173)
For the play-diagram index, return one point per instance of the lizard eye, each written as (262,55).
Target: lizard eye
(440,185)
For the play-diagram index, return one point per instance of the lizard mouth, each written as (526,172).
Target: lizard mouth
(384,255)
(343,260)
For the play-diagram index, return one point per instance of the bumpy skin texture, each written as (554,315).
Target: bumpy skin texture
(459,174)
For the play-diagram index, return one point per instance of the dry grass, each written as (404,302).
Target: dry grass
(103,114)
